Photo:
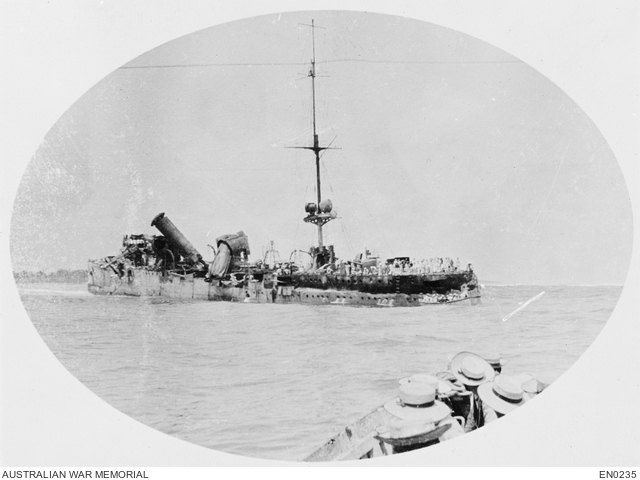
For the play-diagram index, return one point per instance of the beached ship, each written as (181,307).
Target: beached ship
(168,265)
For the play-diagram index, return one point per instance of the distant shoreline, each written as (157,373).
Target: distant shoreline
(59,276)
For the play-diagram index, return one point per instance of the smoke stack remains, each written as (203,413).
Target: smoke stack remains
(173,235)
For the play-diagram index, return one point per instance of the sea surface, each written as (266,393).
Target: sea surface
(277,381)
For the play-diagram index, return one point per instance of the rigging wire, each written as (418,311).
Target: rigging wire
(326,178)
(337,60)
(553,182)
(346,236)
(304,196)
(375,221)
(422,62)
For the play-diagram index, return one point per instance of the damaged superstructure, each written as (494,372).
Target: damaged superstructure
(168,265)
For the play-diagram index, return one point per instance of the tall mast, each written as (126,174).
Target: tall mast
(316,143)
(319,218)
(316,148)
(315,214)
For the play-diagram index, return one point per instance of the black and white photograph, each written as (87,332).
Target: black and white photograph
(320,234)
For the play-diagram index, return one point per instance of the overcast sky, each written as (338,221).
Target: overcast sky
(447,147)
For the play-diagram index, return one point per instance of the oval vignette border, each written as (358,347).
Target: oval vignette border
(617,317)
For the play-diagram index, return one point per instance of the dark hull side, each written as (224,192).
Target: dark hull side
(359,290)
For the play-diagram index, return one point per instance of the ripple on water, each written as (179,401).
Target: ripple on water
(276,381)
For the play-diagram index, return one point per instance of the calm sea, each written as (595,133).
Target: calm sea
(277,381)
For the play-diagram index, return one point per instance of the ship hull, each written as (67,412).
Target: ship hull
(316,289)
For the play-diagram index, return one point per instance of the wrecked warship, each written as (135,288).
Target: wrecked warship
(168,265)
